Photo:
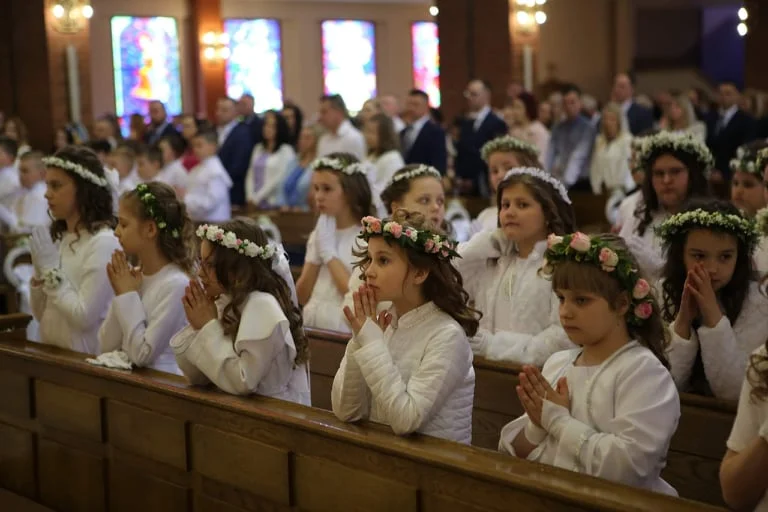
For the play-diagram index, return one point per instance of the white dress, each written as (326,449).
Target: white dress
(521,313)
(385,166)
(174,175)
(70,316)
(275,171)
(9,185)
(761,257)
(725,349)
(415,377)
(260,360)
(647,248)
(623,415)
(487,220)
(142,323)
(207,196)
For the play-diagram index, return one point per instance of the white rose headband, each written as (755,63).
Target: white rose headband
(543,176)
(339,165)
(229,239)
(66,165)
(421,170)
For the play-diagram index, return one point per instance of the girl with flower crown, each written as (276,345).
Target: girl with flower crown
(608,408)
(717,312)
(520,321)
(245,332)
(414,372)
(747,190)
(152,226)
(342,196)
(70,291)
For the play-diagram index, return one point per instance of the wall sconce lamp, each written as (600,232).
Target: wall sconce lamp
(71,16)
(216,46)
(530,13)
(742,28)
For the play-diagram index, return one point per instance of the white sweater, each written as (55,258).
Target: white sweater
(416,377)
(207,196)
(70,316)
(141,324)
(647,249)
(275,172)
(260,360)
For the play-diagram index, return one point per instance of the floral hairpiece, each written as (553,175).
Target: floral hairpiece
(421,170)
(230,240)
(356,168)
(669,141)
(762,159)
(339,165)
(543,176)
(422,240)
(595,251)
(743,228)
(60,163)
(149,201)
(507,144)
(746,161)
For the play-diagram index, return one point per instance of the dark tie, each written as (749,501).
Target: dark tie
(406,141)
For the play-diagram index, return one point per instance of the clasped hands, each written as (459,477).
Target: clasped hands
(365,302)
(699,297)
(199,308)
(534,389)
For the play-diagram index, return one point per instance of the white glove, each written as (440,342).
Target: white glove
(325,238)
(45,254)
(482,246)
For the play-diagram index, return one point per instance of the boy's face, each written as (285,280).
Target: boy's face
(202,148)
(31,172)
(147,168)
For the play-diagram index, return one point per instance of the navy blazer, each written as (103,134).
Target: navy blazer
(235,155)
(255,125)
(723,144)
(469,164)
(151,136)
(428,148)
(640,119)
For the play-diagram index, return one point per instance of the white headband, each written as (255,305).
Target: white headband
(60,163)
(338,165)
(421,170)
(543,176)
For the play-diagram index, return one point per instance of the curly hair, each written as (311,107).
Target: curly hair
(397,190)
(558,214)
(355,186)
(240,275)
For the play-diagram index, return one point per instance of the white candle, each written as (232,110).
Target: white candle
(528,67)
(73,78)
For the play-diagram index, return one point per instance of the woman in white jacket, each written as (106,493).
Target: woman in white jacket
(612,153)
(270,163)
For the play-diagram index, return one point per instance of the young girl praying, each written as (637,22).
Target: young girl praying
(413,373)
(244,331)
(717,312)
(70,292)
(342,197)
(500,266)
(609,408)
(153,226)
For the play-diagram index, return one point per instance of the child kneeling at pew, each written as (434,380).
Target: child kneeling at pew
(245,331)
(608,409)
(413,373)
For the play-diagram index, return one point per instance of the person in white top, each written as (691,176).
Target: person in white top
(9,174)
(413,373)
(29,207)
(748,193)
(342,197)
(70,291)
(270,162)
(153,226)
(680,117)
(611,154)
(761,252)
(743,470)
(502,154)
(207,194)
(244,333)
(123,160)
(172,171)
(717,312)
(675,168)
(501,270)
(621,206)
(340,135)
(383,151)
(610,408)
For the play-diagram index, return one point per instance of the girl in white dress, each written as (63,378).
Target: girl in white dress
(608,409)
(717,311)
(244,331)
(413,373)
(501,270)
(70,292)
(747,190)
(502,154)
(674,165)
(152,226)
(342,197)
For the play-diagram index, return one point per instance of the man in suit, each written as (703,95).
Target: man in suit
(422,141)
(638,118)
(235,146)
(480,126)
(159,126)
(732,128)
(245,109)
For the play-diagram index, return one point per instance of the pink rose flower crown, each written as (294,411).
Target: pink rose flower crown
(422,240)
(595,251)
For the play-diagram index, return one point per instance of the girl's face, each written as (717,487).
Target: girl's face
(674,112)
(61,194)
(587,318)
(328,193)
(369,110)
(518,113)
(371,133)
(425,196)
(521,216)
(307,140)
(61,139)
(11,131)
(388,271)
(269,130)
(716,252)
(188,128)
(290,119)
(610,124)
(132,232)
(670,182)
(168,155)
(499,163)
(207,272)
(747,193)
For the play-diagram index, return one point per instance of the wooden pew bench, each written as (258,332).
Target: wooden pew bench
(694,455)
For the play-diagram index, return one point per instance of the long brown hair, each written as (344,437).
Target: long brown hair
(388,137)
(558,214)
(355,186)
(396,190)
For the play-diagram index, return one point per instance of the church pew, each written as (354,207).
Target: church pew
(294,227)
(694,456)
(75,437)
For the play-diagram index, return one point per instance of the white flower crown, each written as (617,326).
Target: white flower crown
(543,176)
(741,227)
(339,165)
(761,219)
(60,163)
(762,159)
(746,161)
(421,170)
(507,143)
(230,240)
(669,141)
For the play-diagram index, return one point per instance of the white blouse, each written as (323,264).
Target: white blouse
(725,349)
(275,172)
(616,428)
(260,360)
(610,163)
(385,165)
(647,249)
(142,323)
(207,195)
(487,220)
(416,377)
(70,316)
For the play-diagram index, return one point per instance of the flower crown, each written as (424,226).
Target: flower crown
(424,240)
(230,240)
(543,176)
(421,170)
(762,159)
(506,144)
(761,221)
(339,165)
(595,251)
(746,161)
(149,201)
(60,163)
(668,141)
(678,224)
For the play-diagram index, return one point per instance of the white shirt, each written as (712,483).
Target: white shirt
(347,139)
(610,163)
(413,132)
(207,196)
(416,377)
(9,185)
(142,323)
(480,116)
(647,249)
(728,115)
(385,166)
(128,183)
(275,172)
(174,175)
(623,416)
(225,130)
(29,209)
(259,360)
(70,316)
